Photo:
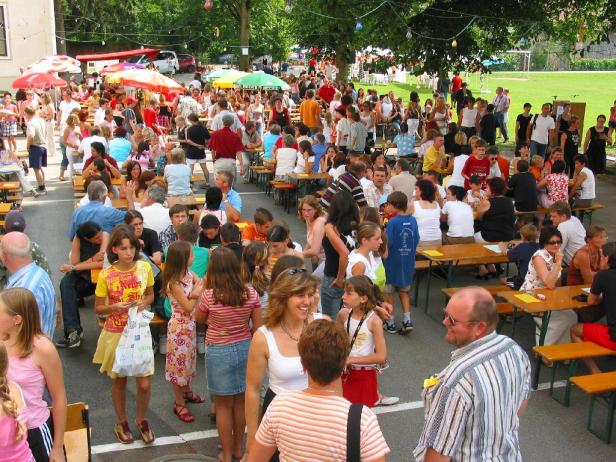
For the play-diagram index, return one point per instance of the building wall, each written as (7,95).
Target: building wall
(30,31)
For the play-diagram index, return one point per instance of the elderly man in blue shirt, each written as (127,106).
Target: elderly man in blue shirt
(95,210)
(231,199)
(16,255)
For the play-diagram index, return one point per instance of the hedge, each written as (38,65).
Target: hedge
(591,64)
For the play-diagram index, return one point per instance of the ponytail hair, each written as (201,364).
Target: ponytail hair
(9,406)
(364,287)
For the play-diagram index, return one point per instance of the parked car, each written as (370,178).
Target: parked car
(187,63)
(165,61)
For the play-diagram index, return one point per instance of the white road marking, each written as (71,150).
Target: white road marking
(206,434)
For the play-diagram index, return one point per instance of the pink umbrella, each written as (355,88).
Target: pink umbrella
(123,66)
(148,80)
(55,63)
(38,80)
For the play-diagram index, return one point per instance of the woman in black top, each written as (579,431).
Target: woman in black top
(570,144)
(496,216)
(594,145)
(280,114)
(342,219)
(196,142)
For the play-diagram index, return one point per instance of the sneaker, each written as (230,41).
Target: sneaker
(71,340)
(35,194)
(41,190)
(407,326)
(387,401)
(390,326)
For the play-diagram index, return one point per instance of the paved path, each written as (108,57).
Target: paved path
(549,431)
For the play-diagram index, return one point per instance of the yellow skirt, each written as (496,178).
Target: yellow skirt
(105,353)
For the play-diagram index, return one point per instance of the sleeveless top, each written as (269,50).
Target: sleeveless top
(498,222)
(285,373)
(428,221)
(364,343)
(30,378)
(574,275)
(371,263)
(441,121)
(11,450)
(597,143)
(587,188)
(367,120)
(532,280)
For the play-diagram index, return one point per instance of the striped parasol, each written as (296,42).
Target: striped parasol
(55,63)
(148,80)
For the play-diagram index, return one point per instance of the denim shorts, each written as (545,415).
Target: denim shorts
(226,368)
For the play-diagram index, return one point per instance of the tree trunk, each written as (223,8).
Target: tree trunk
(342,60)
(60,33)
(244,34)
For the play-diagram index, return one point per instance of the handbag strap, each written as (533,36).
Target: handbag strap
(348,326)
(353,432)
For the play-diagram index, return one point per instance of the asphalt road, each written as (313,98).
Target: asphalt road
(549,431)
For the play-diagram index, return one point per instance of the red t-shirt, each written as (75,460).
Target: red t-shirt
(326,93)
(150,118)
(456,83)
(474,166)
(279,144)
(225,143)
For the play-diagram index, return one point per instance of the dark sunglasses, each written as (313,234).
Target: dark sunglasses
(294,271)
(555,242)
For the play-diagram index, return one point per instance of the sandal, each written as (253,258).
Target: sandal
(193,398)
(123,433)
(183,413)
(147,434)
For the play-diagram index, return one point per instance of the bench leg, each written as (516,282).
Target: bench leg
(428,287)
(538,364)
(606,435)
(514,320)
(571,371)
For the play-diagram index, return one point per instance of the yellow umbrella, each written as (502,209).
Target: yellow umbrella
(227,80)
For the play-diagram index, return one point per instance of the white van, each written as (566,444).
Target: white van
(166,61)
(98,66)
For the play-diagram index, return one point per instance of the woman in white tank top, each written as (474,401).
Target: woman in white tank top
(274,345)
(427,212)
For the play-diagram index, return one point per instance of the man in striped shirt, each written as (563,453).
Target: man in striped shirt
(16,254)
(349,181)
(472,407)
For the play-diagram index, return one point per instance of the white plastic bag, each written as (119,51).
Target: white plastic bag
(134,355)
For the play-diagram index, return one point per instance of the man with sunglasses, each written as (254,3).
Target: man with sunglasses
(473,406)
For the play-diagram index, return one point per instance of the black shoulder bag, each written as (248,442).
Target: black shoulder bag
(353,432)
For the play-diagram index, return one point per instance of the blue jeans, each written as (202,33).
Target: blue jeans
(500,117)
(331,297)
(64,162)
(72,287)
(538,149)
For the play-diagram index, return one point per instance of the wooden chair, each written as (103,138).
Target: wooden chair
(602,387)
(571,352)
(77,444)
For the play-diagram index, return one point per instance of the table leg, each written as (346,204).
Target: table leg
(449,274)
(544,327)
(428,287)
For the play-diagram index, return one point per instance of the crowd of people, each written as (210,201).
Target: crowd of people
(306,322)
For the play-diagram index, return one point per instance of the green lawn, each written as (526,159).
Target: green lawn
(597,90)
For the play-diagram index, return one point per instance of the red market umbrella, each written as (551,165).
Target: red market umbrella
(38,80)
(123,66)
(148,80)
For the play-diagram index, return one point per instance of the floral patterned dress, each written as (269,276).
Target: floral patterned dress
(181,340)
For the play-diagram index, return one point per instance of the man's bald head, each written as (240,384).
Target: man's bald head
(481,304)
(16,244)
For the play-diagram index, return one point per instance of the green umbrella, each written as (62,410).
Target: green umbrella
(261,81)
(217,74)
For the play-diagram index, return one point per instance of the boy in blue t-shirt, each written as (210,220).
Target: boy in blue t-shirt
(402,239)
(319,148)
(522,254)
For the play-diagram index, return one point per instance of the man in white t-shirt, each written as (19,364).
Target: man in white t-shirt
(571,230)
(85,147)
(99,115)
(67,105)
(155,215)
(540,130)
